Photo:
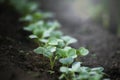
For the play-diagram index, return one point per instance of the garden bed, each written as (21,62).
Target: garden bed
(18,62)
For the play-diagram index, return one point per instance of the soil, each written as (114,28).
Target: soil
(18,62)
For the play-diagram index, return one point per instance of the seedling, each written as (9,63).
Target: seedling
(82,51)
(42,29)
(47,52)
(66,52)
(78,72)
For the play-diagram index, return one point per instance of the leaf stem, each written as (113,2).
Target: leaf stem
(51,63)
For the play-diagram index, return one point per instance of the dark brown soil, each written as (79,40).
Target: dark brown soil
(18,62)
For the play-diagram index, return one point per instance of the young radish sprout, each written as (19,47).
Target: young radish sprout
(53,44)
(68,54)
(78,72)
(53,50)
(48,52)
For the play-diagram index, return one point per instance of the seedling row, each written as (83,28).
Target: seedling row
(53,44)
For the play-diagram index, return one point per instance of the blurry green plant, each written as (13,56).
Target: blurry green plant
(23,6)
(36,16)
(48,52)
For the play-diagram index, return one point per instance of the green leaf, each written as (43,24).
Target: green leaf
(83,51)
(66,52)
(41,15)
(76,66)
(95,76)
(61,43)
(53,25)
(69,40)
(47,33)
(39,23)
(39,50)
(29,28)
(27,18)
(67,48)
(48,53)
(51,48)
(33,37)
(37,15)
(57,34)
(38,32)
(66,61)
(33,6)
(61,53)
(64,69)
(83,69)
(72,53)
(83,76)
(43,40)
(52,41)
(98,69)
(62,76)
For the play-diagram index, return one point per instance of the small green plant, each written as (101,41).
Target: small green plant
(78,72)
(68,54)
(49,53)
(53,50)
(82,51)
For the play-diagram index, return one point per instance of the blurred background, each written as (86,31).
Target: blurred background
(95,23)
(104,12)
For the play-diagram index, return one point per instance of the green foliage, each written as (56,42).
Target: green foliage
(47,52)
(78,72)
(53,44)
(36,16)
(23,6)
(66,61)
(82,51)
(66,52)
(44,30)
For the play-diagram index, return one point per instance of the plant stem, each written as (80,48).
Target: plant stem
(66,77)
(51,63)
